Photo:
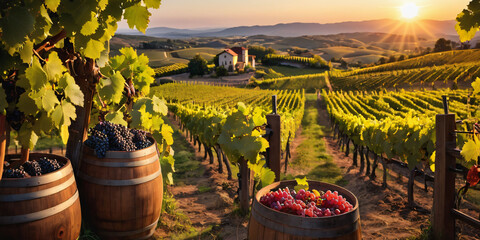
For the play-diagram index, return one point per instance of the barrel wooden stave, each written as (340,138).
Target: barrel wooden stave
(287,226)
(58,195)
(129,211)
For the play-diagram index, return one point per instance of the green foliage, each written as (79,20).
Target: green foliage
(197,66)
(468,21)
(221,71)
(122,99)
(315,62)
(173,69)
(51,93)
(237,138)
(217,118)
(260,52)
(442,45)
(397,124)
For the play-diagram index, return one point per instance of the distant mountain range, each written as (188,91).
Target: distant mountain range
(420,28)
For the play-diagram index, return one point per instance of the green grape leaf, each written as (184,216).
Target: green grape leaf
(117,118)
(129,53)
(90,27)
(159,106)
(65,80)
(64,133)
(302,183)
(36,76)
(73,92)
(94,49)
(102,4)
(152,3)
(49,100)
(26,136)
(52,4)
(265,174)
(476,86)
(54,66)
(43,125)
(26,52)
(167,134)
(57,116)
(17,24)
(68,111)
(111,89)
(465,35)
(471,150)
(137,16)
(241,107)
(27,105)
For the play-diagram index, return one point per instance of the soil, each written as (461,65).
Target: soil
(384,212)
(212,210)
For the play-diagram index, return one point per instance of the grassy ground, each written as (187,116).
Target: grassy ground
(312,160)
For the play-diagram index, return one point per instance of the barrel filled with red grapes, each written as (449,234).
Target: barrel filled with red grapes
(120,182)
(324,211)
(39,199)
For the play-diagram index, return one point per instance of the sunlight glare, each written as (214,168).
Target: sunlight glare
(409,10)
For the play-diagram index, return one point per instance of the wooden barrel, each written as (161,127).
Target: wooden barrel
(41,207)
(122,193)
(267,223)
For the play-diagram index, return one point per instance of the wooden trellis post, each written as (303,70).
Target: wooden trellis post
(443,223)
(274,151)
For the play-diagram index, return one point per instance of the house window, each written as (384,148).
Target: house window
(224,56)
(230,62)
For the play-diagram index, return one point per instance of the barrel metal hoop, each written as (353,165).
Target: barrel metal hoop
(287,227)
(37,194)
(145,162)
(37,180)
(129,233)
(126,182)
(30,217)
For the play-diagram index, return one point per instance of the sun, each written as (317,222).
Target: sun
(409,10)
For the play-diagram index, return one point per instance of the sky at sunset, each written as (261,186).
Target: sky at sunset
(218,13)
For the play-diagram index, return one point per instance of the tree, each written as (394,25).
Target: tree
(260,51)
(51,54)
(343,63)
(465,45)
(197,66)
(402,57)
(442,45)
(392,59)
(216,61)
(221,71)
(382,60)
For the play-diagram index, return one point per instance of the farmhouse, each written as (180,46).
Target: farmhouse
(236,58)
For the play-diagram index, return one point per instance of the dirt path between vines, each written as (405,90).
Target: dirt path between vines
(207,199)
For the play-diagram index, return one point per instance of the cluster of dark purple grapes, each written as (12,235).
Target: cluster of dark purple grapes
(38,167)
(107,136)
(49,165)
(14,117)
(14,173)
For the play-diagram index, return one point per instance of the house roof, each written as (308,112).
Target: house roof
(238,50)
(230,52)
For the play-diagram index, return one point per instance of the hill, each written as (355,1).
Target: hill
(434,27)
